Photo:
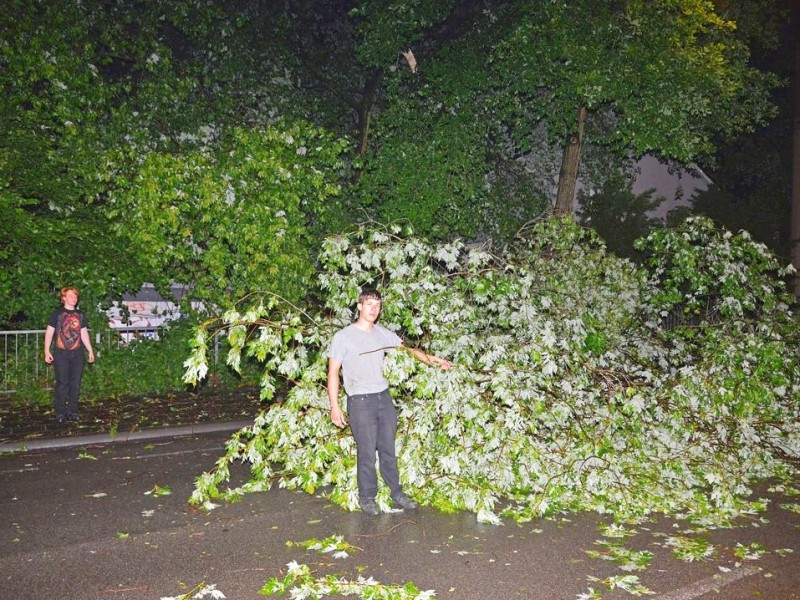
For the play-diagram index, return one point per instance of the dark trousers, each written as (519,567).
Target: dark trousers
(69,369)
(373,420)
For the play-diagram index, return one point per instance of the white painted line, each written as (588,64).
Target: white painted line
(709,584)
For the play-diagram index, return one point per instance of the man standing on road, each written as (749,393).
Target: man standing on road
(358,350)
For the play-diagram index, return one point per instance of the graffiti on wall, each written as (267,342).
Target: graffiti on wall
(142,313)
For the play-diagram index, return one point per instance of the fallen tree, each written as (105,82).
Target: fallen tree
(582,382)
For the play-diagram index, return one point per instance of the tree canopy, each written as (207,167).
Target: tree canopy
(657,77)
(108,105)
(111,108)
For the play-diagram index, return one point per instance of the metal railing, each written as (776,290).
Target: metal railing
(22,354)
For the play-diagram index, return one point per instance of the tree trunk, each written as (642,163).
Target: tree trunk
(568,177)
(795,232)
(365,109)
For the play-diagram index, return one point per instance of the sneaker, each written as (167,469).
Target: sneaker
(73,418)
(370,507)
(61,419)
(404,502)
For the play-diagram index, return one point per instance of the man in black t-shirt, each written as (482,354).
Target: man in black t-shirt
(68,327)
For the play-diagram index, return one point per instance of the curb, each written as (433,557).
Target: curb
(131,436)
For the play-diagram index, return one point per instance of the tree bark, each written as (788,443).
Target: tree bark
(365,109)
(568,177)
(795,231)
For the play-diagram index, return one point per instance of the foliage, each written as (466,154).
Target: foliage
(629,583)
(119,369)
(56,116)
(236,217)
(660,77)
(158,491)
(202,590)
(300,580)
(672,80)
(146,366)
(334,543)
(432,175)
(23,370)
(103,96)
(388,28)
(67,251)
(567,394)
(764,212)
(441,155)
(715,275)
(690,549)
(753,551)
(93,90)
(627,559)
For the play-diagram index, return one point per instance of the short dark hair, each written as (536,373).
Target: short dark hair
(369,294)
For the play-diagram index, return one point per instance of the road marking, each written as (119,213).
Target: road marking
(709,584)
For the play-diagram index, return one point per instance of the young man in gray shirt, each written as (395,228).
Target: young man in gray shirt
(358,350)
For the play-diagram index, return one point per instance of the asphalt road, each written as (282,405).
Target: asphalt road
(77,523)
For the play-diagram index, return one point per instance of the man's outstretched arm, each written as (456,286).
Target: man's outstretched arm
(424,357)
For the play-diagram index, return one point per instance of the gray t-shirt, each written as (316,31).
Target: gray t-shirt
(361,355)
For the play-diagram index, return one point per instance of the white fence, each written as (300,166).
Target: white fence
(22,354)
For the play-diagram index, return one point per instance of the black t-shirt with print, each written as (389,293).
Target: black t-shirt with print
(68,325)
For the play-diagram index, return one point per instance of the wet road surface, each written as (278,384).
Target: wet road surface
(78,523)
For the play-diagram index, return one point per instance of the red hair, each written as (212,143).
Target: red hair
(64,291)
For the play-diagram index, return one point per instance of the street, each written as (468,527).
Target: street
(111,521)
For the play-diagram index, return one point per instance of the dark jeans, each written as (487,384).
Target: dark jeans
(373,420)
(69,369)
